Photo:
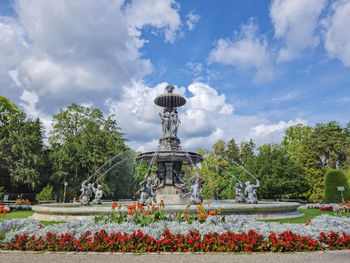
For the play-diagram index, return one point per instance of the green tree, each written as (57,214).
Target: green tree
(45,194)
(81,141)
(279,175)
(21,148)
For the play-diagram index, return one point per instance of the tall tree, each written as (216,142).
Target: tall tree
(21,148)
(81,141)
(279,175)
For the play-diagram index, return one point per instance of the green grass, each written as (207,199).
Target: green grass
(309,214)
(19,214)
(26,214)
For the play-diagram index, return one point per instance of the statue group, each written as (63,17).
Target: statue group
(170,123)
(149,187)
(86,194)
(250,191)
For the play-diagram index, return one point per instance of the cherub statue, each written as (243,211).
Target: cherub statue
(85,193)
(98,194)
(239,193)
(146,192)
(196,196)
(250,191)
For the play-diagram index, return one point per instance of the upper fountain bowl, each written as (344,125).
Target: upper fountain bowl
(170,100)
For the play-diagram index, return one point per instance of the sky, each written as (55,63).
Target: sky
(248,69)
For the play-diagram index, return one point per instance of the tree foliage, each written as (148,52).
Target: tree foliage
(21,148)
(81,141)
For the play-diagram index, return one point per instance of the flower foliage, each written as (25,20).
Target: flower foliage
(169,242)
(145,215)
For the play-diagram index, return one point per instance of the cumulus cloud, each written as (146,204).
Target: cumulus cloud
(247,51)
(337,40)
(158,14)
(139,116)
(272,133)
(67,51)
(295,22)
(191,20)
(205,118)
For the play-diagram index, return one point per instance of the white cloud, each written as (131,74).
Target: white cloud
(246,51)
(287,97)
(205,118)
(191,20)
(70,51)
(337,38)
(271,133)
(295,22)
(29,100)
(161,14)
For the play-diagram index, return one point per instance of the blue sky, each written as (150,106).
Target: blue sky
(249,69)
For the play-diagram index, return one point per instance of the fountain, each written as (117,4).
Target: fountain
(169,156)
(169,186)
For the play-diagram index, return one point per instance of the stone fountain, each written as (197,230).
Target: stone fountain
(169,184)
(169,157)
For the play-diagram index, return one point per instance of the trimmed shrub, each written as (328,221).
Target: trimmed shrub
(45,194)
(333,179)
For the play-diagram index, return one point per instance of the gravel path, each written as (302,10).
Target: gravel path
(339,256)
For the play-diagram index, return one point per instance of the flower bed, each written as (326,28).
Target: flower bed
(329,207)
(235,234)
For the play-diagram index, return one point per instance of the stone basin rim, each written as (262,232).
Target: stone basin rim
(227,208)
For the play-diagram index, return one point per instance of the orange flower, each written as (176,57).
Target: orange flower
(114,205)
(348,204)
(341,204)
(202,216)
(161,203)
(212,212)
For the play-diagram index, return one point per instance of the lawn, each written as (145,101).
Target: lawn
(26,214)
(19,214)
(309,214)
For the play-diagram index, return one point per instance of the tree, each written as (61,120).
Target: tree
(21,148)
(279,175)
(317,150)
(45,194)
(232,152)
(81,141)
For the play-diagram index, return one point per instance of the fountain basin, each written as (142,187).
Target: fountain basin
(170,156)
(262,210)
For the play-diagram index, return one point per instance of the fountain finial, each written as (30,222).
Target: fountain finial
(169,88)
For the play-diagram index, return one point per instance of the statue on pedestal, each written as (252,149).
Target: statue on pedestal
(98,194)
(86,193)
(166,124)
(250,191)
(239,193)
(196,196)
(146,191)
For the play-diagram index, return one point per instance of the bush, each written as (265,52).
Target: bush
(2,193)
(45,194)
(335,178)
